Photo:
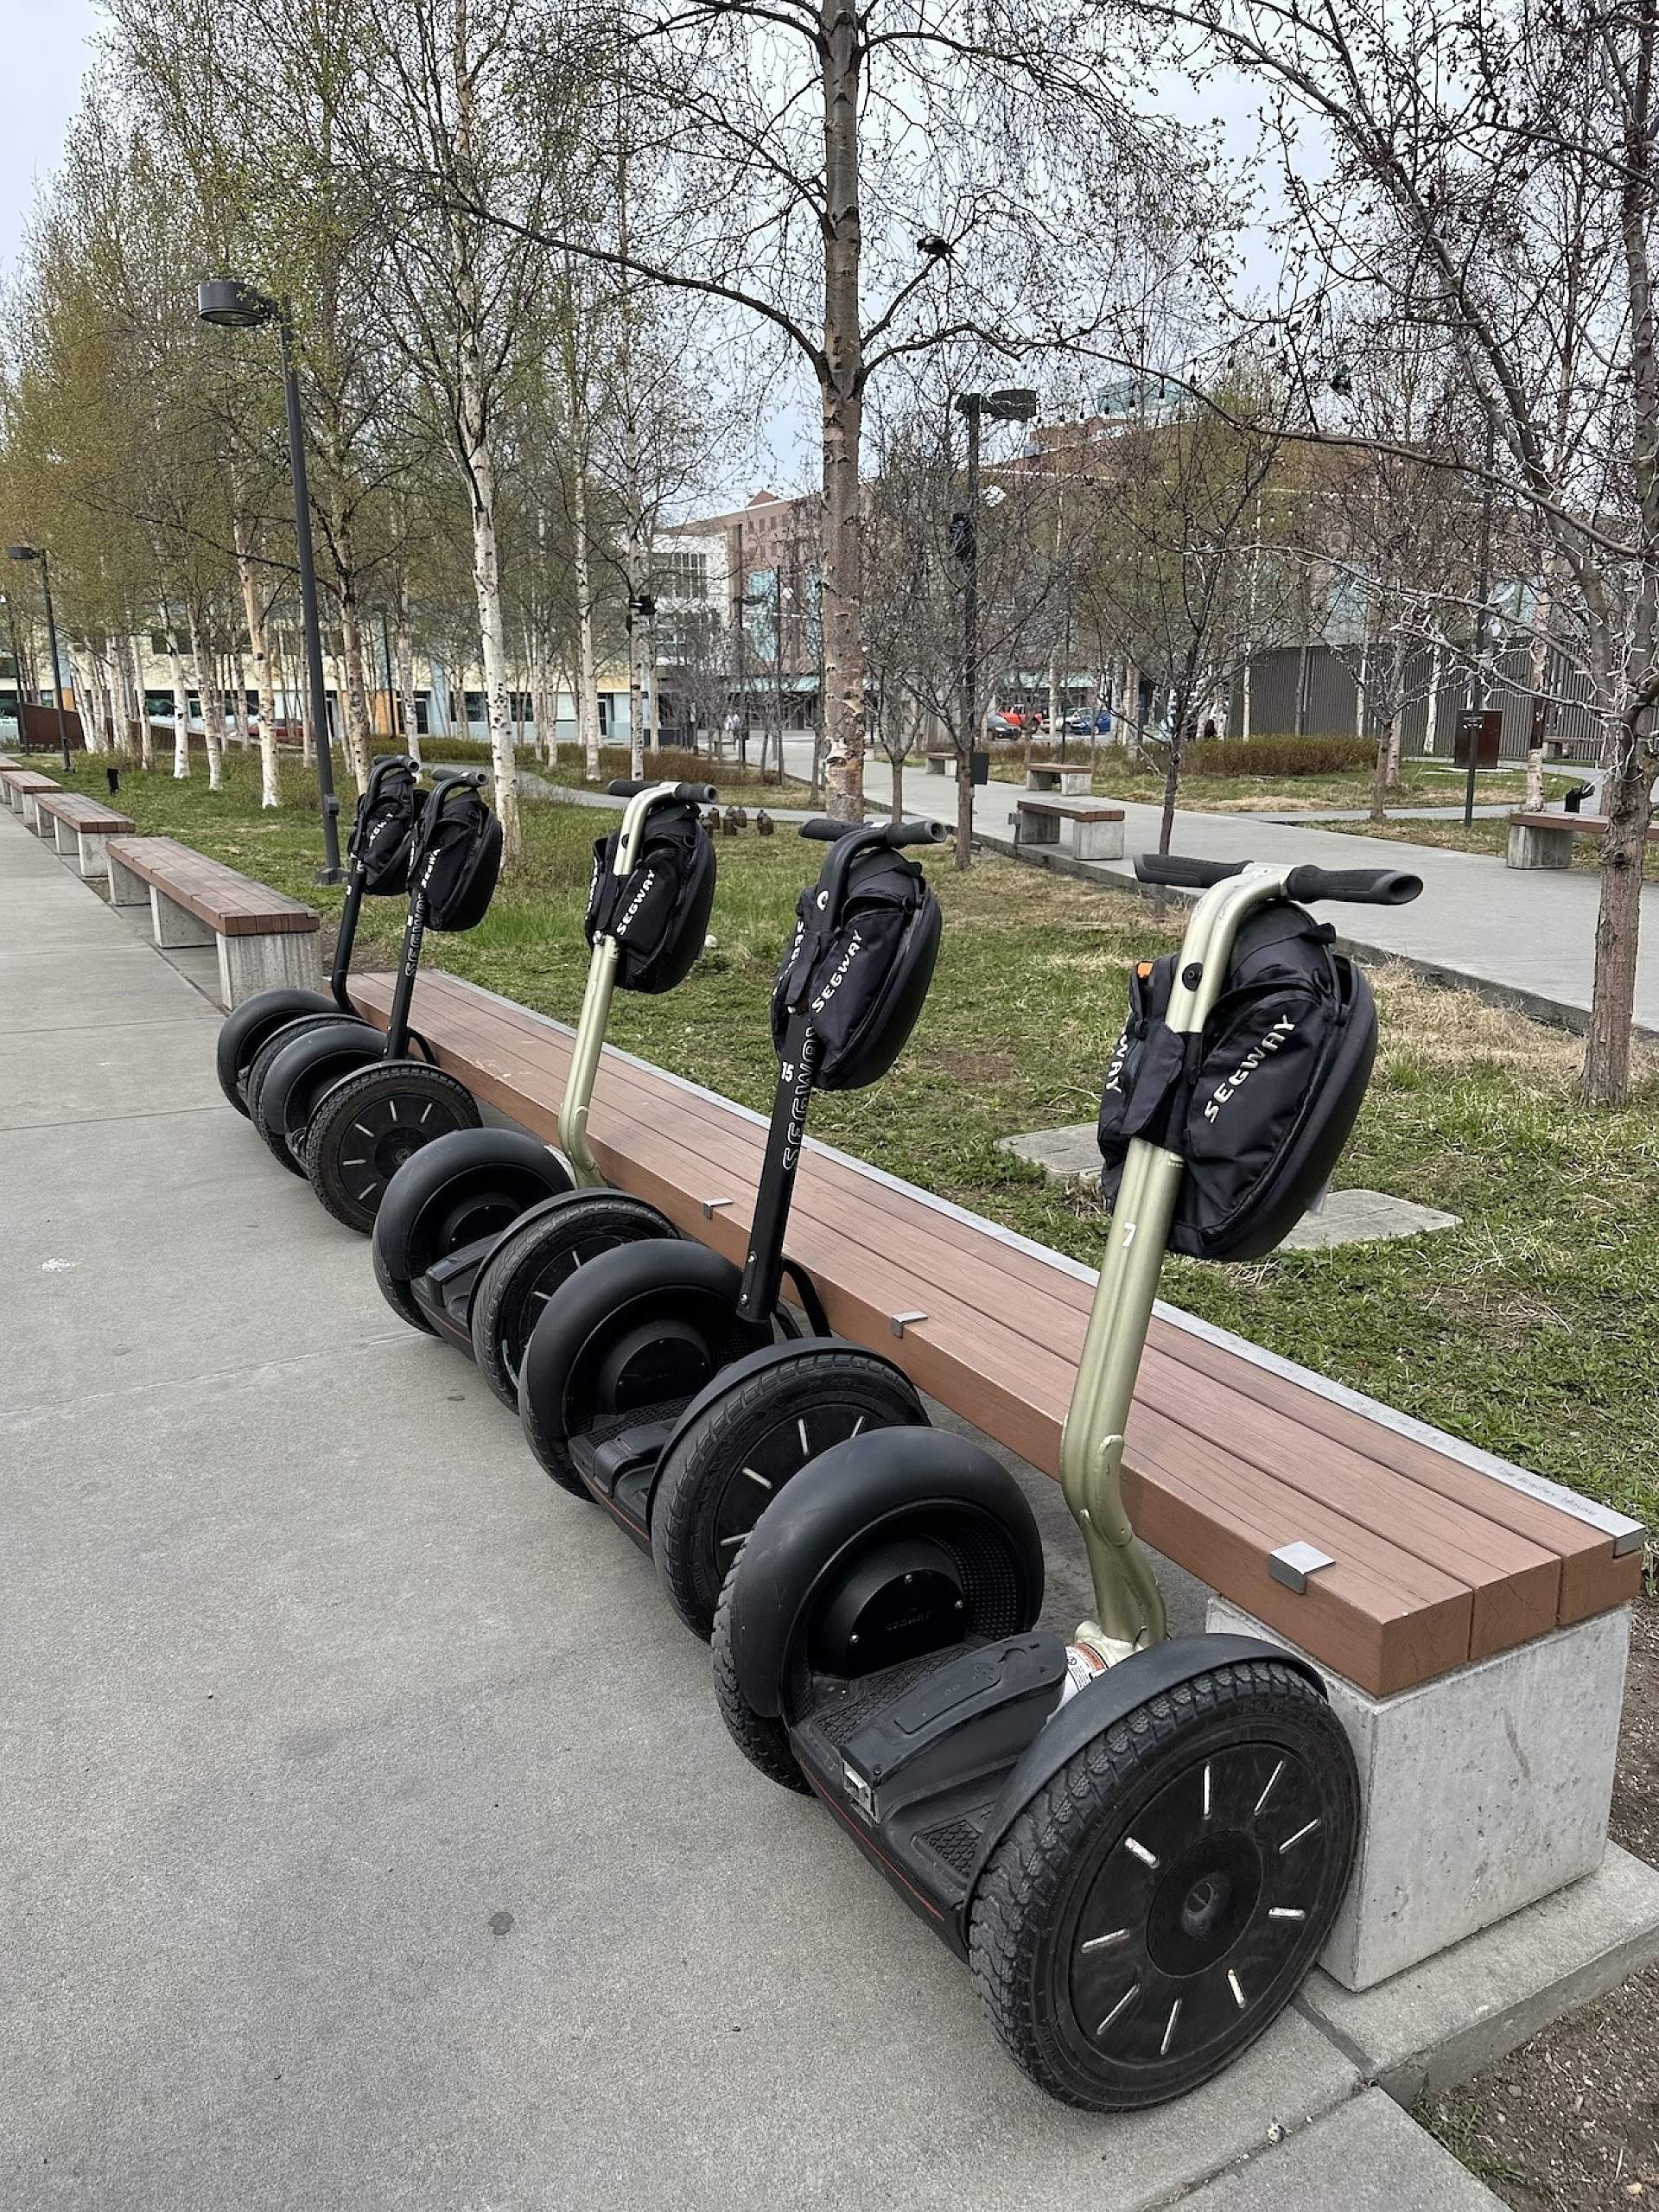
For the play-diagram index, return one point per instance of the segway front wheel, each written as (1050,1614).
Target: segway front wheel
(730,1461)
(249,1027)
(762,1736)
(538,1253)
(367,1125)
(1160,1900)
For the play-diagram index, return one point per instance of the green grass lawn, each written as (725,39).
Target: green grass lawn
(1419,785)
(1528,1330)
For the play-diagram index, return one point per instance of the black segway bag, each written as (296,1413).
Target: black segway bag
(863,983)
(1261,1103)
(660,914)
(383,834)
(457,858)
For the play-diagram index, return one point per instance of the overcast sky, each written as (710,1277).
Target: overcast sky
(43,51)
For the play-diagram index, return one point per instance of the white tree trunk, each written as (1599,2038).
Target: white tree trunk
(587,674)
(180,705)
(1539,675)
(270,791)
(213,707)
(146,734)
(487,584)
(408,708)
(1431,734)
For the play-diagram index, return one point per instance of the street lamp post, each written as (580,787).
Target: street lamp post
(235,306)
(38,553)
(1478,679)
(1016,405)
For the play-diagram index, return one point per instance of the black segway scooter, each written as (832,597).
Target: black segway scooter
(345,1105)
(378,857)
(624,1351)
(1137,1844)
(476,1231)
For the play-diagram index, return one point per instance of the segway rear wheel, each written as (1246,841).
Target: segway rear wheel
(366,1126)
(460,1189)
(250,1025)
(729,1464)
(293,1071)
(534,1258)
(1160,1899)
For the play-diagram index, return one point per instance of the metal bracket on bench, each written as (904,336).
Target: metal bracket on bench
(901,1322)
(1291,1564)
(711,1207)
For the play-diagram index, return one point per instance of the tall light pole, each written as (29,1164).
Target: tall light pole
(38,553)
(235,306)
(1015,404)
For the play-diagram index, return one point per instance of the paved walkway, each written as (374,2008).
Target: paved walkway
(1531,932)
(368,1835)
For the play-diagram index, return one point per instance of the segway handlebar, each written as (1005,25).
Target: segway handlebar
(695,794)
(1353,887)
(887,833)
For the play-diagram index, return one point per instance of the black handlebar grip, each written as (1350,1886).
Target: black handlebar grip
(1188,875)
(877,833)
(826,831)
(1356,886)
(624,787)
(697,794)
(917,833)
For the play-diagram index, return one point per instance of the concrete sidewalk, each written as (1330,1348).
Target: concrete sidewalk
(369,1835)
(1527,933)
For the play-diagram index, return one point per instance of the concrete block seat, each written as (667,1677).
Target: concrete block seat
(1089,828)
(1546,840)
(1473,1618)
(262,938)
(938,762)
(81,828)
(1071,778)
(20,787)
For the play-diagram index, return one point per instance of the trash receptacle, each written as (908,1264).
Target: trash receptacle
(979,767)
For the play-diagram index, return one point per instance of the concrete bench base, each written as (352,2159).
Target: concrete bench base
(1532,847)
(259,961)
(1085,840)
(33,818)
(86,847)
(940,764)
(248,965)
(1482,1791)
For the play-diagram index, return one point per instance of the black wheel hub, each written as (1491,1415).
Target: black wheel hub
(1196,1910)
(386,1131)
(786,1447)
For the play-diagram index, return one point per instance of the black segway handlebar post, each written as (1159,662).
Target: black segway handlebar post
(1353,887)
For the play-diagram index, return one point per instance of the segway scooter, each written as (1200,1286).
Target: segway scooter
(345,1105)
(378,858)
(476,1231)
(625,1350)
(1137,1844)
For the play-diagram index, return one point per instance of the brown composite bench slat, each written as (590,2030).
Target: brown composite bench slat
(1586,824)
(1437,1561)
(1070,810)
(27,779)
(221,898)
(81,812)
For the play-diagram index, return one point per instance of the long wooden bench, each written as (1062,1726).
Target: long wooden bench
(1438,1555)
(1096,826)
(264,938)
(1546,840)
(1071,778)
(81,828)
(20,788)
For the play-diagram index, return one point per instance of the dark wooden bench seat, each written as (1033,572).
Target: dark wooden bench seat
(263,938)
(81,827)
(20,787)
(1096,826)
(1542,840)
(1071,778)
(1440,1556)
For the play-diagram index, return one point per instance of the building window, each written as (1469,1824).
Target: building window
(680,575)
